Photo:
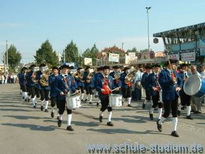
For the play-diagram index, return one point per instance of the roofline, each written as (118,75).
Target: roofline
(196,26)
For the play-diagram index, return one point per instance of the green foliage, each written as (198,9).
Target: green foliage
(45,54)
(91,53)
(132,50)
(14,57)
(71,53)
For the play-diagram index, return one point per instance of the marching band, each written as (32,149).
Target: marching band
(162,86)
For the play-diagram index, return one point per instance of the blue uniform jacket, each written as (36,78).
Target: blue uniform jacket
(151,82)
(61,86)
(30,83)
(53,85)
(22,79)
(38,77)
(122,78)
(144,81)
(168,87)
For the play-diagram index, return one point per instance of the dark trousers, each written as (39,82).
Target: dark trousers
(127,92)
(155,100)
(23,88)
(148,97)
(105,103)
(89,90)
(44,94)
(81,88)
(33,91)
(170,106)
(62,106)
(54,102)
(185,99)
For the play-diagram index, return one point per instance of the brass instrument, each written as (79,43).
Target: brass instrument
(78,75)
(129,77)
(89,77)
(44,79)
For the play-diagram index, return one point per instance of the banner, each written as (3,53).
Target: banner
(174,56)
(188,55)
(202,47)
(113,57)
(88,61)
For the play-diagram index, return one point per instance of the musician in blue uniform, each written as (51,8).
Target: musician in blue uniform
(185,99)
(78,76)
(104,86)
(22,83)
(117,84)
(145,86)
(116,70)
(154,90)
(39,87)
(31,84)
(171,84)
(65,85)
(89,83)
(53,78)
(97,75)
(126,86)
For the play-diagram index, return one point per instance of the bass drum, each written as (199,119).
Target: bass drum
(194,86)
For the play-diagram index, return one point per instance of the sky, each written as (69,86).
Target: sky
(28,23)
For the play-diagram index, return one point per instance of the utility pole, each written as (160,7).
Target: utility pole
(7,57)
(148,8)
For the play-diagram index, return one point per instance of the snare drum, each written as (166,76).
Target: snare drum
(73,102)
(115,100)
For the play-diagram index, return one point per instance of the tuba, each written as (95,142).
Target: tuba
(44,79)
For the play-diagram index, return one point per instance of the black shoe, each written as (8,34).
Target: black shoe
(159,126)
(197,112)
(46,110)
(151,116)
(85,101)
(175,134)
(70,128)
(90,102)
(100,118)
(110,124)
(143,106)
(97,104)
(178,113)
(28,100)
(57,117)
(52,114)
(189,117)
(59,123)
(41,108)
(129,105)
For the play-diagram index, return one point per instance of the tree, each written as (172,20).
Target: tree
(71,53)
(14,57)
(91,53)
(132,50)
(45,54)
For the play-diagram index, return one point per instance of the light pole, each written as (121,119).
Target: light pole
(122,45)
(7,57)
(148,8)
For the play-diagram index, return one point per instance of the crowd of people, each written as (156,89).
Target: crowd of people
(162,87)
(8,78)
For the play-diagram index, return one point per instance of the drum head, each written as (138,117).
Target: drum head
(192,85)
